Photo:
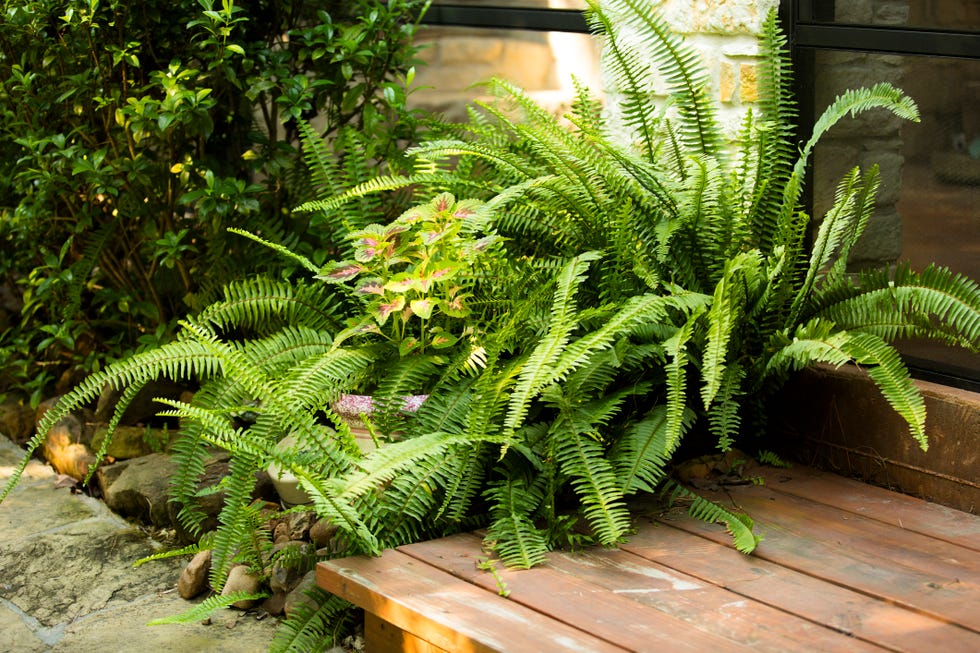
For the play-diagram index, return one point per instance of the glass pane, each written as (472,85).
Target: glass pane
(928,206)
(962,15)
(543,63)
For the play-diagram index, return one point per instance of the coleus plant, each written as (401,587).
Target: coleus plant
(415,276)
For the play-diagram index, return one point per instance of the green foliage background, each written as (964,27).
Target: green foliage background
(132,135)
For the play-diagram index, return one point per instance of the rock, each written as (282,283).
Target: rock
(275,604)
(194,576)
(292,563)
(143,408)
(322,532)
(132,441)
(298,596)
(299,523)
(16,420)
(240,579)
(280,534)
(139,487)
(65,447)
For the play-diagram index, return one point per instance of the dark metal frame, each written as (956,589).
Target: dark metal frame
(552,20)
(813,28)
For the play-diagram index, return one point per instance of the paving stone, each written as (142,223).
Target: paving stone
(67,582)
(230,631)
(67,573)
(40,508)
(17,635)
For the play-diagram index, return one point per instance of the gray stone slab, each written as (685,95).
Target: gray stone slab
(39,508)
(64,574)
(11,456)
(16,634)
(117,629)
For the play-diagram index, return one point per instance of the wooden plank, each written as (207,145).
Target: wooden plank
(445,611)
(575,601)
(382,637)
(906,568)
(863,536)
(702,605)
(840,608)
(909,513)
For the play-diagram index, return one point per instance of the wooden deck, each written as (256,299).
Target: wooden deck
(844,566)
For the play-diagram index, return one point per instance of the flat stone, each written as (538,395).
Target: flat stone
(64,574)
(17,635)
(11,456)
(28,510)
(117,629)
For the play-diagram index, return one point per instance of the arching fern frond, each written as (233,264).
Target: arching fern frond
(512,533)
(739,525)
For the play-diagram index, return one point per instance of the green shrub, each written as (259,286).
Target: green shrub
(133,134)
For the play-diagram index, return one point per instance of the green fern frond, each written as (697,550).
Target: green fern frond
(850,102)
(512,533)
(595,482)
(739,525)
(235,541)
(82,268)
(641,455)
(208,607)
(737,288)
(633,81)
(537,371)
(285,251)
(772,459)
(839,231)
(266,304)
(893,380)
(680,65)
(381,465)
(823,341)
(190,549)
(724,418)
(935,303)
(676,349)
(314,626)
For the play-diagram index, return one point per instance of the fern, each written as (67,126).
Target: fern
(314,626)
(738,525)
(207,607)
(512,532)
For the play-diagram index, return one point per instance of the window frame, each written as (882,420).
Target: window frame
(807,34)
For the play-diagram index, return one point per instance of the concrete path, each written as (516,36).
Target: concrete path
(67,581)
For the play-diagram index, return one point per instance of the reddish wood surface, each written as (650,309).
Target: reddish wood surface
(843,567)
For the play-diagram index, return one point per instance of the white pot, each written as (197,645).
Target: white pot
(349,408)
(287,485)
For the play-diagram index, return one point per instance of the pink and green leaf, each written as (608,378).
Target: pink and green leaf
(340,271)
